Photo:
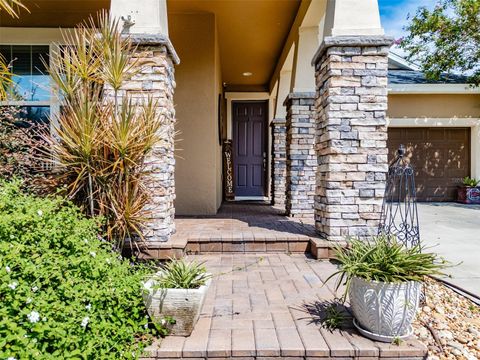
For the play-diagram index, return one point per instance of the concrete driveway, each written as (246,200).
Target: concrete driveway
(454,230)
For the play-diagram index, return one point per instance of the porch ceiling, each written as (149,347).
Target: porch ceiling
(54,13)
(251,35)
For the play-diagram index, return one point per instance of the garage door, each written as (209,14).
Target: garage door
(440,157)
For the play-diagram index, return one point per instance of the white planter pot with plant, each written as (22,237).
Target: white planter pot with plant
(383,282)
(174,296)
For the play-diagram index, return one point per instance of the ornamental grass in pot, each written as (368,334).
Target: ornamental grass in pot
(383,280)
(469,192)
(174,295)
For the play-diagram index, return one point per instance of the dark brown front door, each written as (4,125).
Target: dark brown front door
(249,147)
(440,157)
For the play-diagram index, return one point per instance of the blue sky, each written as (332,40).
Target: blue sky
(394,13)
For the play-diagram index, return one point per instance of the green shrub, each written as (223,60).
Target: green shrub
(63,292)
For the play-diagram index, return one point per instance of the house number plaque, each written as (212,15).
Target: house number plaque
(228,186)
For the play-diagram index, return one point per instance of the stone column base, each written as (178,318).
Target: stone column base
(279,167)
(301,158)
(156,80)
(351,78)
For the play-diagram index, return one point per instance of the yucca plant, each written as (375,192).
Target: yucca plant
(384,259)
(180,274)
(102,138)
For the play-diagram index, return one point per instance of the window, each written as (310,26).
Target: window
(31,88)
(31,81)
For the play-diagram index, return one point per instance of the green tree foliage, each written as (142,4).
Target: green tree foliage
(446,39)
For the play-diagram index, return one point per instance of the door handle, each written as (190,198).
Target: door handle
(264,161)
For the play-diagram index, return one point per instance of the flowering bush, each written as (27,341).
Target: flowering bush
(63,292)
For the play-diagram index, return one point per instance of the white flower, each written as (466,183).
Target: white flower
(7,268)
(40,212)
(88,307)
(29,300)
(85,321)
(13,285)
(33,317)
(108,261)
(34,288)
(163,322)
(11,358)
(93,253)
(145,326)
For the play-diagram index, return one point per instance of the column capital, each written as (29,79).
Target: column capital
(310,95)
(155,40)
(278,122)
(351,41)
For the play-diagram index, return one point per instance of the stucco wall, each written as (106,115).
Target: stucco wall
(218,90)
(433,105)
(197,150)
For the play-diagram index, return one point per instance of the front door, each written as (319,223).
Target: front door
(249,147)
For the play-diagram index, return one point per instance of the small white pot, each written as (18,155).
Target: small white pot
(384,310)
(183,305)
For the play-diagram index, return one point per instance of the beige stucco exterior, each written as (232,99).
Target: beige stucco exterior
(216,42)
(433,105)
(198,154)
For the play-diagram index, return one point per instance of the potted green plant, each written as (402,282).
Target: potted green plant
(383,281)
(174,295)
(469,192)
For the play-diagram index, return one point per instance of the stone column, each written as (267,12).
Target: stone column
(301,159)
(279,162)
(156,80)
(351,104)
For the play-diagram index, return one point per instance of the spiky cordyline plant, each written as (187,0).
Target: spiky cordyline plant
(101,140)
(12,7)
(384,259)
(5,78)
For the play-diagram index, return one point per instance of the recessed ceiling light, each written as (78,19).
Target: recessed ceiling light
(247,73)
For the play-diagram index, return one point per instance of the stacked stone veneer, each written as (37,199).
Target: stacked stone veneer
(301,157)
(156,58)
(351,135)
(279,161)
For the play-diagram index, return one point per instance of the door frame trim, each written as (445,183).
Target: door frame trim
(265,138)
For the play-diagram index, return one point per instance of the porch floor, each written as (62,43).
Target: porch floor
(246,221)
(245,227)
(271,306)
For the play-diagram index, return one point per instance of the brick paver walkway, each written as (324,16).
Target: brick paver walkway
(270,305)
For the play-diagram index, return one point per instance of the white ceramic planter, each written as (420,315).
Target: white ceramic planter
(384,311)
(183,305)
